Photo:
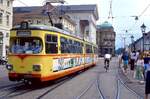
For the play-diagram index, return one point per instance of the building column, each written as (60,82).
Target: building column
(92,32)
(77,31)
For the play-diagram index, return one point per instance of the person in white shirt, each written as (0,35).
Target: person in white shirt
(107,59)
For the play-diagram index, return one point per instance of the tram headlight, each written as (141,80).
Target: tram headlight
(9,67)
(36,68)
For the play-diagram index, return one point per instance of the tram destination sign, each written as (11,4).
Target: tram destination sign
(23,33)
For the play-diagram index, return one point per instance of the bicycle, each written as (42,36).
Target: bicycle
(106,64)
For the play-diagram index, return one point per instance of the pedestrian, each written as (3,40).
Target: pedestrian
(107,58)
(120,60)
(125,58)
(147,77)
(139,69)
(132,60)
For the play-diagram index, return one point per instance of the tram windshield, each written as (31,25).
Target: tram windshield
(22,45)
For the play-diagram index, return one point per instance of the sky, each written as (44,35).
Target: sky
(123,11)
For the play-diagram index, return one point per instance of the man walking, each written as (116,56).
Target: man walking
(125,58)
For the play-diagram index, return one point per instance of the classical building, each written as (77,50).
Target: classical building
(85,17)
(5,25)
(105,39)
(80,20)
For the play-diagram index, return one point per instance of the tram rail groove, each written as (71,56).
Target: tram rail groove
(118,90)
(7,86)
(132,91)
(96,82)
(15,90)
(7,92)
(85,90)
(58,83)
(98,88)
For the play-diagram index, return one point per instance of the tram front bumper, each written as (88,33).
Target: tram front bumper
(20,76)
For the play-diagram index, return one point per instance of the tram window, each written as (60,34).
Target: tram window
(21,45)
(88,49)
(70,46)
(51,48)
(64,45)
(51,38)
(95,50)
(70,41)
(51,44)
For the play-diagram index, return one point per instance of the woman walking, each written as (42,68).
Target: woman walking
(139,69)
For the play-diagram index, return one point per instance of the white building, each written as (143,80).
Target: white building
(5,24)
(85,17)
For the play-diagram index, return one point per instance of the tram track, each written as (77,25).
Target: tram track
(14,90)
(99,89)
(85,90)
(118,90)
(10,91)
(7,91)
(121,83)
(95,82)
(56,85)
(7,86)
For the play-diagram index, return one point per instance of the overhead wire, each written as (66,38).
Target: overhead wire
(144,10)
(137,17)
(22,2)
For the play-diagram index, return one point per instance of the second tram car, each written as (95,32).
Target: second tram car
(43,53)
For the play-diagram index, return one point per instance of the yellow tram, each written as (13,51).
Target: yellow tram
(43,53)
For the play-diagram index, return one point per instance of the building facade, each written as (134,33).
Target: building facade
(105,39)
(5,25)
(38,15)
(85,17)
(80,20)
(141,46)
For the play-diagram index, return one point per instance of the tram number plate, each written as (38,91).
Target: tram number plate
(27,76)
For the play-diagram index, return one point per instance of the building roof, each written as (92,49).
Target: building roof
(65,8)
(26,9)
(105,25)
(81,8)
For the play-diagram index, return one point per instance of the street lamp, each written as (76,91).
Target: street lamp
(143,28)
(132,43)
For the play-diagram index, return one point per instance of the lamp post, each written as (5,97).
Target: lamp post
(143,28)
(132,43)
